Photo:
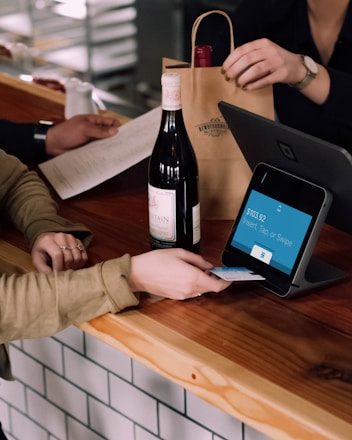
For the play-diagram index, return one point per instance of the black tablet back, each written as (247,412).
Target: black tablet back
(263,140)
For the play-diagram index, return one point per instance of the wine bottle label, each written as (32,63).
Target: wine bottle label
(196,223)
(162,213)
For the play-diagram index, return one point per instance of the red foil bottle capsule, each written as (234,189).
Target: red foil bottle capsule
(203,55)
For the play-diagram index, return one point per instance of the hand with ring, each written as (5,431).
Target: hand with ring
(55,251)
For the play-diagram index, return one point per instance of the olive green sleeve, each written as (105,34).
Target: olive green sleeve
(37,305)
(27,201)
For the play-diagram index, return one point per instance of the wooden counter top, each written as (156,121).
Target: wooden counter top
(281,366)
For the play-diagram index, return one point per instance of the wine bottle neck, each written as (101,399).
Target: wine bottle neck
(171,98)
(173,116)
(203,55)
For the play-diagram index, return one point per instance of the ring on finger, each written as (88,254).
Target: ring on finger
(70,248)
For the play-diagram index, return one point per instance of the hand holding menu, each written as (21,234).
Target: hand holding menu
(83,168)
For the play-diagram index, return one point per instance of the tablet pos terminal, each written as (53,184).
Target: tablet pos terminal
(276,229)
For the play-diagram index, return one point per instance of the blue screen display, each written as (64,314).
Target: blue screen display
(271,231)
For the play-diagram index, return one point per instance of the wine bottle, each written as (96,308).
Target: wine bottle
(174,209)
(203,55)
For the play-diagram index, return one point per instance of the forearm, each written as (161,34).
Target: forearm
(37,305)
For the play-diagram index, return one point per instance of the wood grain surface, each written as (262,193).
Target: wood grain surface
(281,366)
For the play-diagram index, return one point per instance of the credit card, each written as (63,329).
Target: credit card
(236,274)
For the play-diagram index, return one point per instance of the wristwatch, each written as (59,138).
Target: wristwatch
(40,131)
(39,139)
(312,71)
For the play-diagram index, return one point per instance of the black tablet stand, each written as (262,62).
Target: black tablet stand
(317,273)
(312,272)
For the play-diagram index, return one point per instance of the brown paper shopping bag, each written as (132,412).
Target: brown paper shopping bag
(223,172)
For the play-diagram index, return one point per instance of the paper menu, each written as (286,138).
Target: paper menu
(83,168)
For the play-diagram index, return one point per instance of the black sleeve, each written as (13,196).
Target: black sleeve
(17,139)
(330,121)
(250,19)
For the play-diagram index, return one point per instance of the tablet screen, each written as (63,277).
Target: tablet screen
(276,227)
(265,231)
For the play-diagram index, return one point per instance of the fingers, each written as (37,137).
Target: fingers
(257,64)
(208,283)
(192,258)
(106,121)
(101,127)
(42,262)
(58,251)
(245,50)
(173,273)
(248,69)
(70,253)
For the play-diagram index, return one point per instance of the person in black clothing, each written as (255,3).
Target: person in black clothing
(35,143)
(304,49)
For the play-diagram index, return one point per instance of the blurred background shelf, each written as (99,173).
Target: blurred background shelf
(117,45)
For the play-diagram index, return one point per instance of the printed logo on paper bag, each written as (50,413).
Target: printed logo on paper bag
(214,128)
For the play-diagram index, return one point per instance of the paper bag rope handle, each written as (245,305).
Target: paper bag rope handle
(197,22)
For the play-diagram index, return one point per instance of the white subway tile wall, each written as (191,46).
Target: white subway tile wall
(212,418)
(74,387)
(4,413)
